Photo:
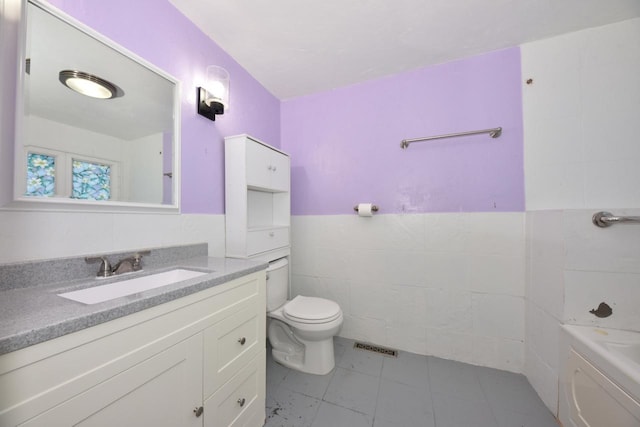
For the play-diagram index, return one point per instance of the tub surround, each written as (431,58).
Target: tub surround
(31,311)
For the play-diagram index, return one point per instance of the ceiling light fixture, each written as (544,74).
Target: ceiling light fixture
(89,85)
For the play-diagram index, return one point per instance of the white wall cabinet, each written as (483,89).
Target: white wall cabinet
(267,168)
(257,199)
(155,368)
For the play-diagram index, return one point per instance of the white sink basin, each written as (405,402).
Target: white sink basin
(97,294)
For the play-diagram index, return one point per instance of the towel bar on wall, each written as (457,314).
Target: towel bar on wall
(493,133)
(606,219)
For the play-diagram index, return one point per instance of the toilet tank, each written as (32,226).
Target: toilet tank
(277,283)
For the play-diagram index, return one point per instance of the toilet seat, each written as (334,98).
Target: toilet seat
(311,310)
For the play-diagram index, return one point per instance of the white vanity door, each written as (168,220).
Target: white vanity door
(160,391)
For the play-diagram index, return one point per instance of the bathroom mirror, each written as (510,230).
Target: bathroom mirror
(115,148)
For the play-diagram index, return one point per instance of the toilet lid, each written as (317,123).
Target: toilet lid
(311,309)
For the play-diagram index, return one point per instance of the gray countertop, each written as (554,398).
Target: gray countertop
(33,314)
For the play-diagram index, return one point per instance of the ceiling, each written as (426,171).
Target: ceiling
(298,47)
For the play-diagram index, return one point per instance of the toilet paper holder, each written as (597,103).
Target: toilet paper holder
(374,208)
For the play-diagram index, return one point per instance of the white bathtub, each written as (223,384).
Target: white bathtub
(599,377)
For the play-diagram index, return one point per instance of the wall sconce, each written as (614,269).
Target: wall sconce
(213,98)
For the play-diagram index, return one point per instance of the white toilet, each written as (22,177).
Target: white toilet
(301,330)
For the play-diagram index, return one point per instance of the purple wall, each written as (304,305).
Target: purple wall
(159,33)
(345,143)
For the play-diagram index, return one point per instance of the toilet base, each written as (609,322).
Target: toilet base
(317,358)
(312,357)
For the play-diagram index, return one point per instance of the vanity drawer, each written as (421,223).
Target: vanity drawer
(266,239)
(241,399)
(231,344)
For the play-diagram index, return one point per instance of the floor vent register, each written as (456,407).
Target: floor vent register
(389,352)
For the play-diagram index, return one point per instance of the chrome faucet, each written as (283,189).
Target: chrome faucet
(125,265)
(105,267)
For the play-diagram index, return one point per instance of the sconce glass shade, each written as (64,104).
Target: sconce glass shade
(88,84)
(217,86)
(213,97)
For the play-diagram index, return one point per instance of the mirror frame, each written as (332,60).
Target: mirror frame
(10,199)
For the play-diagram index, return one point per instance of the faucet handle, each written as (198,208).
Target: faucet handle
(137,259)
(139,254)
(105,267)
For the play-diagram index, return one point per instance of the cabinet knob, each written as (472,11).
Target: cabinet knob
(274,168)
(270,167)
(198,411)
(242,340)
(271,234)
(241,402)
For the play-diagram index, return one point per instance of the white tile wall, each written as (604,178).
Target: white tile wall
(590,248)
(546,260)
(581,127)
(543,379)
(498,316)
(585,290)
(580,118)
(573,266)
(451,285)
(43,235)
(454,345)
(544,302)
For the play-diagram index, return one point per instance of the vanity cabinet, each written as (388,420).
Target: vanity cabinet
(257,199)
(196,361)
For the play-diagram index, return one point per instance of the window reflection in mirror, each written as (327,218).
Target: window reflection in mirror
(118,147)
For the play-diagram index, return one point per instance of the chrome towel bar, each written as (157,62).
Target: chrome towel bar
(493,133)
(606,219)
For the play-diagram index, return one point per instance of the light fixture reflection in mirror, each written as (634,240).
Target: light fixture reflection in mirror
(89,85)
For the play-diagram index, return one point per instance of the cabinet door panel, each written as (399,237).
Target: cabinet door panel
(160,391)
(280,172)
(259,166)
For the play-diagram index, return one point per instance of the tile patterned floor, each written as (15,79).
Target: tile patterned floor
(370,390)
